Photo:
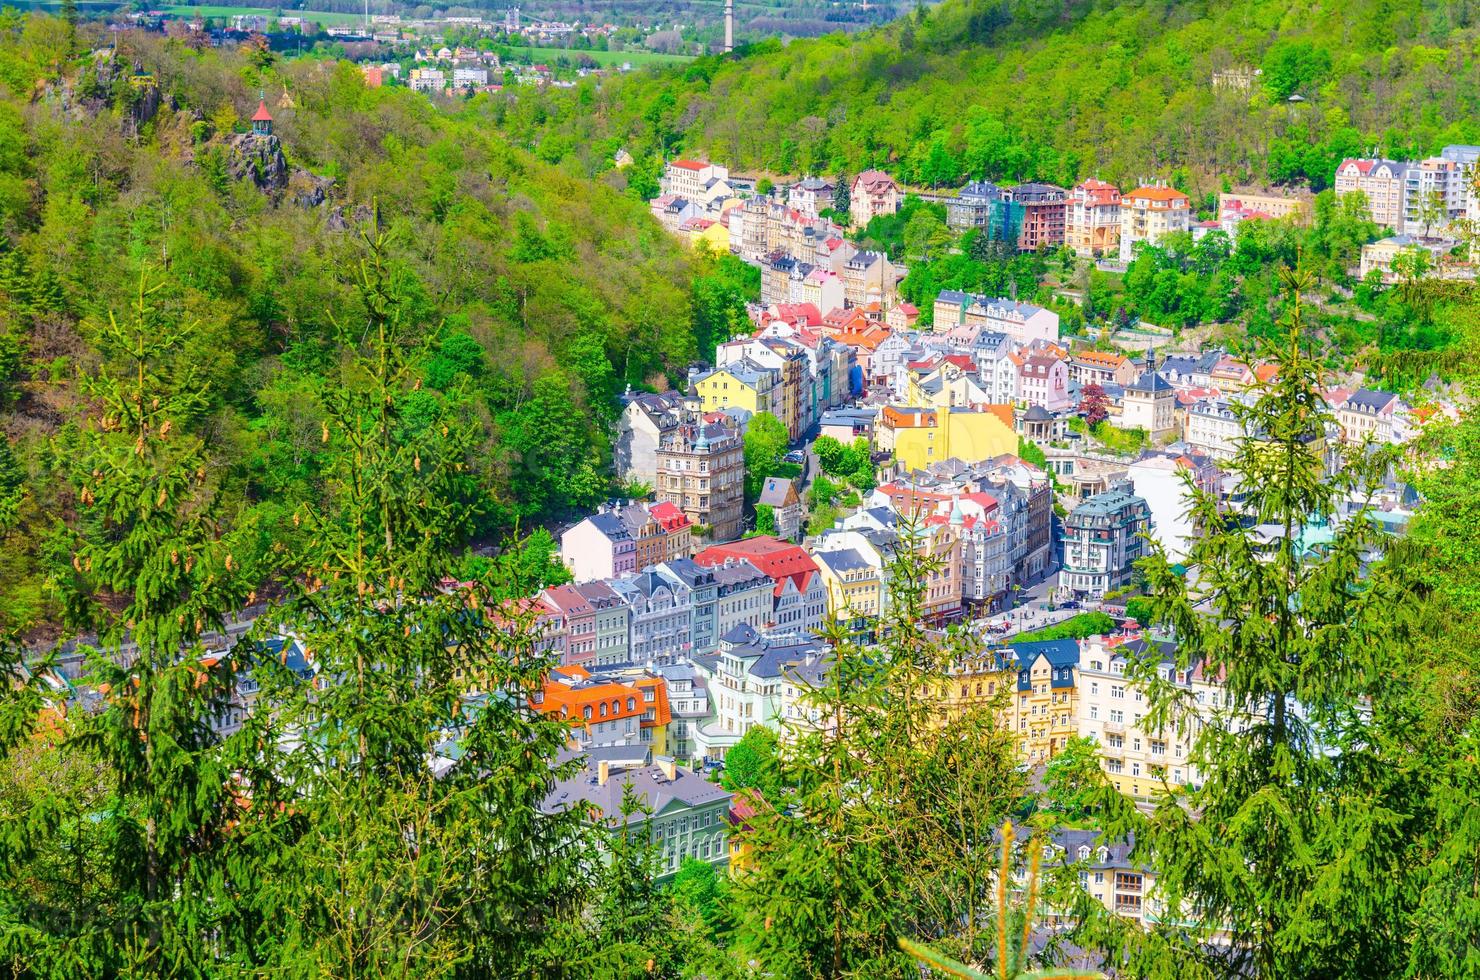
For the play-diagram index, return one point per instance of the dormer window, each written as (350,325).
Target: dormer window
(1084,852)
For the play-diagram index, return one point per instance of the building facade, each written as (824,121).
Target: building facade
(1102,542)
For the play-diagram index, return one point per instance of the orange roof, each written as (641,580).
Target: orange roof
(1003,413)
(571,702)
(662,715)
(1266,373)
(1157,194)
(688,164)
(857,339)
(903,418)
(1104,357)
(262,115)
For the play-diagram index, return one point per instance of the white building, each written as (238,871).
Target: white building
(695,180)
(1149,403)
(1159,480)
(1137,757)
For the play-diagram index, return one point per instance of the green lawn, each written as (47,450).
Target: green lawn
(639,59)
(216,10)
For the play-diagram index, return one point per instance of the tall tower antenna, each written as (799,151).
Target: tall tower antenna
(729,25)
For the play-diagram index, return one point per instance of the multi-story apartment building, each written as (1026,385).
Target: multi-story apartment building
(1125,887)
(1213,427)
(700,594)
(688,706)
(744,680)
(869,277)
(872,193)
(1434,194)
(1101,367)
(684,813)
(695,180)
(1138,757)
(1368,413)
(599,546)
(790,401)
(974,206)
(604,710)
(660,617)
(1160,479)
(1043,380)
(613,624)
(810,195)
(855,587)
(1043,215)
(986,553)
(1092,218)
(799,596)
(743,596)
(645,418)
(1044,708)
(1022,323)
(1381,181)
(1149,214)
(580,623)
(1102,541)
(701,469)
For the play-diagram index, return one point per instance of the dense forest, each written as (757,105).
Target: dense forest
(1026,91)
(539,297)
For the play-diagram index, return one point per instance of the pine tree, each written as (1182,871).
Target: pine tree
(1295,847)
(152,570)
(389,866)
(842,200)
(887,831)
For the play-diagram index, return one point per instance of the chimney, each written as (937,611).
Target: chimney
(603,772)
(665,763)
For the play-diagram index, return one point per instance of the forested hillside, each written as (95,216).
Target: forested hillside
(1020,91)
(535,299)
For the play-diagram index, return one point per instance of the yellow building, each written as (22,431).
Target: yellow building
(740,384)
(715,235)
(855,587)
(1045,710)
(743,807)
(985,679)
(920,436)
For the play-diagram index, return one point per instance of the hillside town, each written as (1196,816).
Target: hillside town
(1031,470)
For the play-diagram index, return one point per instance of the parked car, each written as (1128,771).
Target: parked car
(795,456)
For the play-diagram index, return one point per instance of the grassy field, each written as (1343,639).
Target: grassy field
(603,58)
(215,10)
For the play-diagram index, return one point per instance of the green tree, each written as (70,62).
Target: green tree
(889,829)
(1293,779)
(1067,777)
(150,567)
(765,519)
(384,861)
(842,200)
(752,764)
(765,445)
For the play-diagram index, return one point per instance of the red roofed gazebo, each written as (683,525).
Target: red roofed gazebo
(262,119)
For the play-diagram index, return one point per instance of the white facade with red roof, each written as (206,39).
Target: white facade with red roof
(799,595)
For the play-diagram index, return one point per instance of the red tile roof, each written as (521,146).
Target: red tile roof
(778,560)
